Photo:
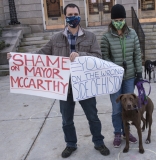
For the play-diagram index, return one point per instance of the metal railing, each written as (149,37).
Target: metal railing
(137,27)
(13,14)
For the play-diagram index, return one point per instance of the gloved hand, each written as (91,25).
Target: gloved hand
(138,78)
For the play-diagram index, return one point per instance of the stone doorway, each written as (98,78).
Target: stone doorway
(98,12)
(53,12)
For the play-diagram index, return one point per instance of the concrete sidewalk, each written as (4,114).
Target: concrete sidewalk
(31,129)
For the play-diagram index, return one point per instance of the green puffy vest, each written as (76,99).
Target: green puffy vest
(112,51)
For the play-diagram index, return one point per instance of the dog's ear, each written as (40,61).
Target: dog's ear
(134,95)
(119,98)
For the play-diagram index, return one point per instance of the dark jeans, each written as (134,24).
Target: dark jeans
(89,107)
(127,86)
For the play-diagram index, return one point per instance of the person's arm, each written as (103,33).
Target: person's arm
(137,55)
(137,60)
(94,51)
(105,48)
(47,49)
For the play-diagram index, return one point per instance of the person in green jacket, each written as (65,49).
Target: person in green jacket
(120,45)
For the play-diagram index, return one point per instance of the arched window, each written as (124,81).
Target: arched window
(147,5)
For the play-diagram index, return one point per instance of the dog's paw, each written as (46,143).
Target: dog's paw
(147,141)
(141,150)
(125,150)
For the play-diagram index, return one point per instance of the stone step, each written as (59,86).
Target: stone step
(28,50)
(150,42)
(32,46)
(150,46)
(95,31)
(150,38)
(47,37)
(4,72)
(150,51)
(4,67)
(42,34)
(150,34)
(150,57)
(33,43)
(145,26)
(11,33)
(36,38)
(150,54)
(25,28)
(148,30)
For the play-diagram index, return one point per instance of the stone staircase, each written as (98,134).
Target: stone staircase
(33,42)
(150,41)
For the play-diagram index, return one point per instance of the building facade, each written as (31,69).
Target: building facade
(43,15)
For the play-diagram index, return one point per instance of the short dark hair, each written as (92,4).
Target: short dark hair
(70,5)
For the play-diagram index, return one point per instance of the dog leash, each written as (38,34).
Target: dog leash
(141,92)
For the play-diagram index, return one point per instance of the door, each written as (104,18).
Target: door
(54,17)
(147,11)
(98,12)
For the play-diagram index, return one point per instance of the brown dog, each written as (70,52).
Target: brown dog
(131,112)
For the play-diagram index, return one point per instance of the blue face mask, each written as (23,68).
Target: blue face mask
(73,21)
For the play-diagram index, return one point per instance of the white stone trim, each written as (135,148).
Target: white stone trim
(137,8)
(44,14)
(86,15)
(44,26)
(63,13)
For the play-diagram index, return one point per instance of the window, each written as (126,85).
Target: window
(93,7)
(107,6)
(147,5)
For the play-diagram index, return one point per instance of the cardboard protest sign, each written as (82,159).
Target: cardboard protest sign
(91,77)
(40,75)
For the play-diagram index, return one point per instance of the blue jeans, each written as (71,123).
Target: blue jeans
(127,86)
(89,107)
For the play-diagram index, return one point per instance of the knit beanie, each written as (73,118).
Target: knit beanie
(118,11)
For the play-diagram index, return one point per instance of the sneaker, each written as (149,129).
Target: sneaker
(132,139)
(103,150)
(117,141)
(68,151)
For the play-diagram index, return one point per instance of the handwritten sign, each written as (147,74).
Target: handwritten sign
(40,75)
(92,77)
